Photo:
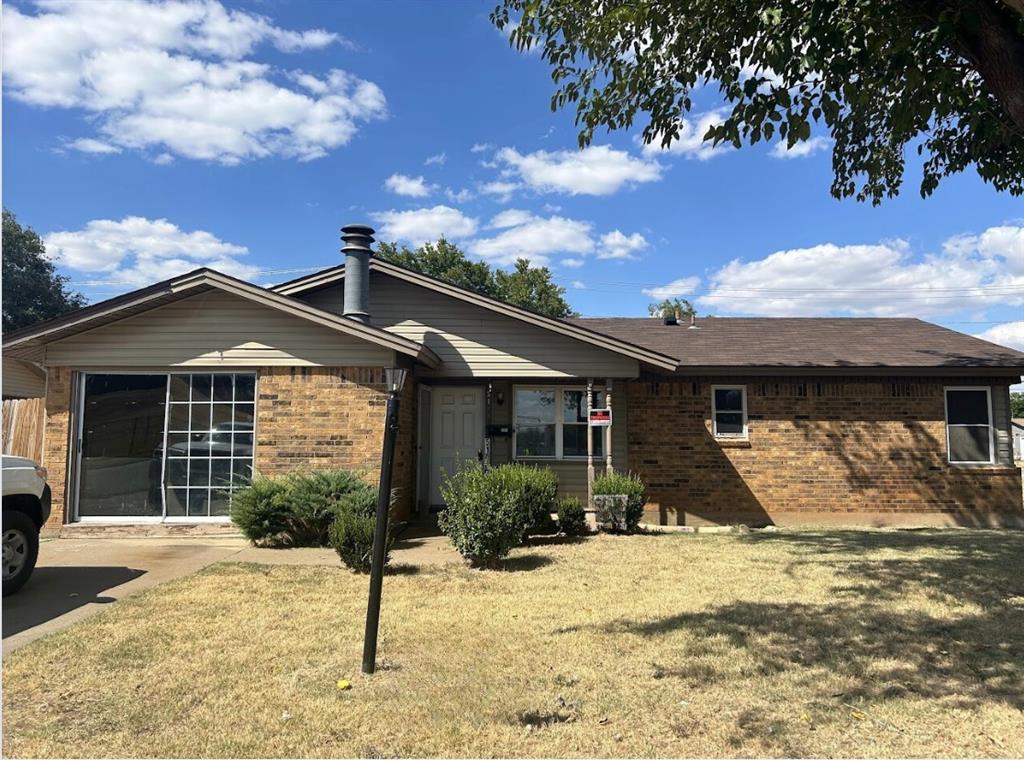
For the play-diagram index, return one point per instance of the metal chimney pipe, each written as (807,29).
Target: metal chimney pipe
(357,238)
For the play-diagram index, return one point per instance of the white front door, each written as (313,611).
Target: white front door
(456,433)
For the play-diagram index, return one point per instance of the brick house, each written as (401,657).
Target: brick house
(161,403)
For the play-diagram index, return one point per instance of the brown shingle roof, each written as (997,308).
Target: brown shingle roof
(833,343)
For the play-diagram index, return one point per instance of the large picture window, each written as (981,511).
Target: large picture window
(969,425)
(551,423)
(209,442)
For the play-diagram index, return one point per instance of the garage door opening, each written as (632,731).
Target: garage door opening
(163,447)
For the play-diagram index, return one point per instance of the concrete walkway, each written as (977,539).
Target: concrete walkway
(76,577)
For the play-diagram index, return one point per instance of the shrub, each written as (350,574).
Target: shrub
(296,510)
(353,527)
(626,518)
(534,489)
(484,518)
(262,511)
(572,518)
(315,498)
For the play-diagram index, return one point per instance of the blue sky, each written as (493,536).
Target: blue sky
(144,140)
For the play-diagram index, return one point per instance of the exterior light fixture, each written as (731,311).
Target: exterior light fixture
(394,379)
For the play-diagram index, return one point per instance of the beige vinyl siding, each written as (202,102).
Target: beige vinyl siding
(472,341)
(1001,425)
(215,329)
(22,379)
(572,473)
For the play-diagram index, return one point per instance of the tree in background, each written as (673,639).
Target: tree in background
(529,287)
(680,308)
(1017,405)
(32,288)
(945,77)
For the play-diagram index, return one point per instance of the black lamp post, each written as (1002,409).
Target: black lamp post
(394,378)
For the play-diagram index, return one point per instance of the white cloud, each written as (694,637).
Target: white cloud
(1010,334)
(90,145)
(173,77)
(684,286)
(596,170)
(424,225)
(884,279)
(480,147)
(616,245)
(438,160)
(413,187)
(512,217)
(458,196)
(572,263)
(501,189)
(579,285)
(137,251)
(690,142)
(800,149)
(533,238)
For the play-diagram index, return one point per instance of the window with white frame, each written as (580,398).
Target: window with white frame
(551,423)
(969,425)
(729,411)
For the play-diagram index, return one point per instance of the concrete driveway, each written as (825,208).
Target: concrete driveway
(76,577)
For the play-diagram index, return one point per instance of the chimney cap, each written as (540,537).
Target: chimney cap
(357,238)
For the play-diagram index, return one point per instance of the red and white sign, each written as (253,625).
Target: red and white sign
(600,418)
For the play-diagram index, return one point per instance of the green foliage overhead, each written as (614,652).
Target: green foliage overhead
(529,287)
(942,77)
(680,308)
(32,289)
(1017,405)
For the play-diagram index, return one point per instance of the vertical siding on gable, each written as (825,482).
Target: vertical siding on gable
(472,341)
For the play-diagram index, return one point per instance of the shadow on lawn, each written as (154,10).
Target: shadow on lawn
(863,635)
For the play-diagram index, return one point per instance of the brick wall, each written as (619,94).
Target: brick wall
(55,443)
(843,450)
(311,418)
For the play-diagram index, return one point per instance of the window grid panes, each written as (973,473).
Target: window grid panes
(968,426)
(209,442)
(552,423)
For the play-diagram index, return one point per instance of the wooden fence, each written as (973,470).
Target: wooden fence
(23,428)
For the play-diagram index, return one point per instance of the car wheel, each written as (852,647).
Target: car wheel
(20,550)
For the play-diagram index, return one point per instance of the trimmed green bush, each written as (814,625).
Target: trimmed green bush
(352,531)
(484,518)
(535,490)
(263,510)
(621,519)
(295,510)
(572,518)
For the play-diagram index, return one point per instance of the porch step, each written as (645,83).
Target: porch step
(152,530)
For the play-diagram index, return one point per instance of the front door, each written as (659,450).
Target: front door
(456,433)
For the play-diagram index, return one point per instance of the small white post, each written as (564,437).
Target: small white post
(590,446)
(608,430)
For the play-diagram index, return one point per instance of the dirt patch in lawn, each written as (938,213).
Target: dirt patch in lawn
(837,643)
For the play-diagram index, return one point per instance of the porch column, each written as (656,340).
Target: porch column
(590,446)
(608,430)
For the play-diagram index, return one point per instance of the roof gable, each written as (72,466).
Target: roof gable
(26,342)
(566,328)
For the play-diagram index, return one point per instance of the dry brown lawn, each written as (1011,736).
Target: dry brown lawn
(837,643)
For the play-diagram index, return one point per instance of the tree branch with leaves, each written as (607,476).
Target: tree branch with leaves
(942,77)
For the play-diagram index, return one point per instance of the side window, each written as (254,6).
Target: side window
(729,410)
(969,425)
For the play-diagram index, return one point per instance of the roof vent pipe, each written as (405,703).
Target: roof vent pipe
(358,238)
(693,322)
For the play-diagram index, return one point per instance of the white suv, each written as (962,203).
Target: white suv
(26,508)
